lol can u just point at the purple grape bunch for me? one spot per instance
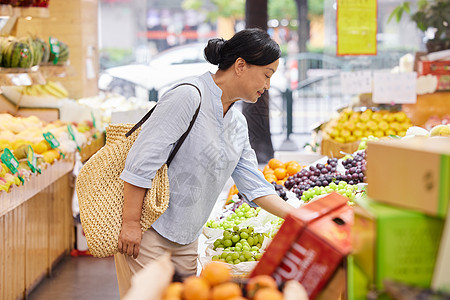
(355, 168)
(280, 190)
(315, 175)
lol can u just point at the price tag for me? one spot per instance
(358, 82)
(10, 161)
(50, 138)
(72, 135)
(394, 88)
(54, 48)
(31, 159)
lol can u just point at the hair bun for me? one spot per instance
(213, 51)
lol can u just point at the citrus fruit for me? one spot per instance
(280, 173)
(268, 294)
(216, 273)
(195, 288)
(275, 163)
(260, 282)
(226, 291)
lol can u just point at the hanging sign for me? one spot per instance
(356, 27)
(394, 88)
(357, 82)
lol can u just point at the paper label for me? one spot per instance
(358, 82)
(356, 27)
(50, 138)
(10, 160)
(394, 88)
(31, 159)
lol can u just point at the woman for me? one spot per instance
(216, 148)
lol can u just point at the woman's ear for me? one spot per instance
(239, 66)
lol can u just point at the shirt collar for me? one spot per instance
(212, 85)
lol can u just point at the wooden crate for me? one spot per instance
(332, 148)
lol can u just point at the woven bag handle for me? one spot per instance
(183, 137)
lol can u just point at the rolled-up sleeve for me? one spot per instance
(160, 132)
(248, 179)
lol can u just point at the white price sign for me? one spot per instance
(394, 88)
(357, 82)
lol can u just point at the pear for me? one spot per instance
(440, 130)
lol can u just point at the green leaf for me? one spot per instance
(399, 14)
(406, 7)
(393, 13)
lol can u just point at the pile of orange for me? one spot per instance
(214, 283)
(277, 171)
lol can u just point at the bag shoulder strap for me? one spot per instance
(183, 137)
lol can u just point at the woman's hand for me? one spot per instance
(130, 239)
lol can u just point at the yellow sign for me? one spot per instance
(356, 27)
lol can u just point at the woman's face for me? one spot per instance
(255, 80)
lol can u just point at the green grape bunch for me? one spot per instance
(239, 245)
(241, 214)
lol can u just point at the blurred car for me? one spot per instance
(165, 69)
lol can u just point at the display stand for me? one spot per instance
(20, 77)
(36, 228)
(36, 225)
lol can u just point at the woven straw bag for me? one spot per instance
(100, 190)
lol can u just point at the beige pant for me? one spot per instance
(153, 245)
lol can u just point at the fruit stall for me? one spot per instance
(369, 214)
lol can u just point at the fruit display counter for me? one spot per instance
(36, 222)
(327, 193)
(36, 228)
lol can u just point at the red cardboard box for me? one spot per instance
(310, 244)
(433, 67)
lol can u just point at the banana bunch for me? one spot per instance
(49, 89)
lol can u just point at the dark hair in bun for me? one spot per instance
(254, 45)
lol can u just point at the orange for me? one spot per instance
(173, 291)
(195, 288)
(226, 291)
(271, 178)
(260, 282)
(238, 298)
(268, 171)
(266, 168)
(268, 294)
(280, 173)
(216, 273)
(293, 169)
(275, 163)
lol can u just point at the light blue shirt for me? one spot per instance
(216, 148)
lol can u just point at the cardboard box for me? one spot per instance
(393, 243)
(441, 276)
(433, 67)
(412, 173)
(310, 244)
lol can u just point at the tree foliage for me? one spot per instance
(277, 9)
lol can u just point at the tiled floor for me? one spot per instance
(82, 277)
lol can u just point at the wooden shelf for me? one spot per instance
(14, 13)
(51, 70)
(18, 77)
(35, 184)
(23, 12)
